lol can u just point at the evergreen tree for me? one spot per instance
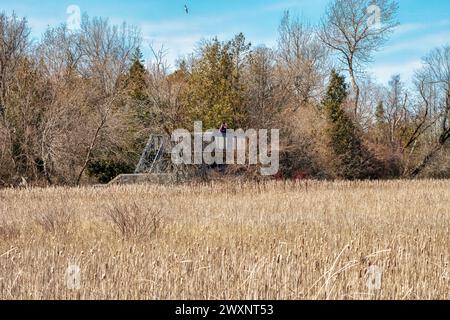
(379, 113)
(137, 118)
(353, 159)
(136, 82)
(380, 124)
(212, 94)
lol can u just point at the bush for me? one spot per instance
(106, 170)
(352, 159)
(133, 221)
(54, 221)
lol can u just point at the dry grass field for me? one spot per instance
(228, 241)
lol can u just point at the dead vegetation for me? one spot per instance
(132, 221)
(271, 240)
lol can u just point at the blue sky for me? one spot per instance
(424, 24)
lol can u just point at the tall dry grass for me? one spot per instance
(228, 241)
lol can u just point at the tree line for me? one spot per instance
(77, 107)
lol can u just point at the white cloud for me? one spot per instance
(384, 71)
(180, 37)
(316, 6)
(174, 46)
(414, 27)
(419, 44)
(39, 26)
(408, 28)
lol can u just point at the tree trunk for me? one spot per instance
(356, 90)
(418, 170)
(89, 152)
(445, 136)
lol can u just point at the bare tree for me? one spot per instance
(106, 50)
(104, 113)
(14, 34)
(396, 111)
(302, 60)
(261, 88)
(350, 28)
(165, 92)
(87, 118)
(433, 83)
(26, 102)
(372, 93)
(60, 52)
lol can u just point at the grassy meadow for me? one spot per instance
(274, 240)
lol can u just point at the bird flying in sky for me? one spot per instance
(186, 9)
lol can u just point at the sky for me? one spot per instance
(423, 24)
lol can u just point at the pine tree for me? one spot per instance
(380, 124)
(136, 82)
(353, 159)
(213, 95)
(379, 113)
(135, 87)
